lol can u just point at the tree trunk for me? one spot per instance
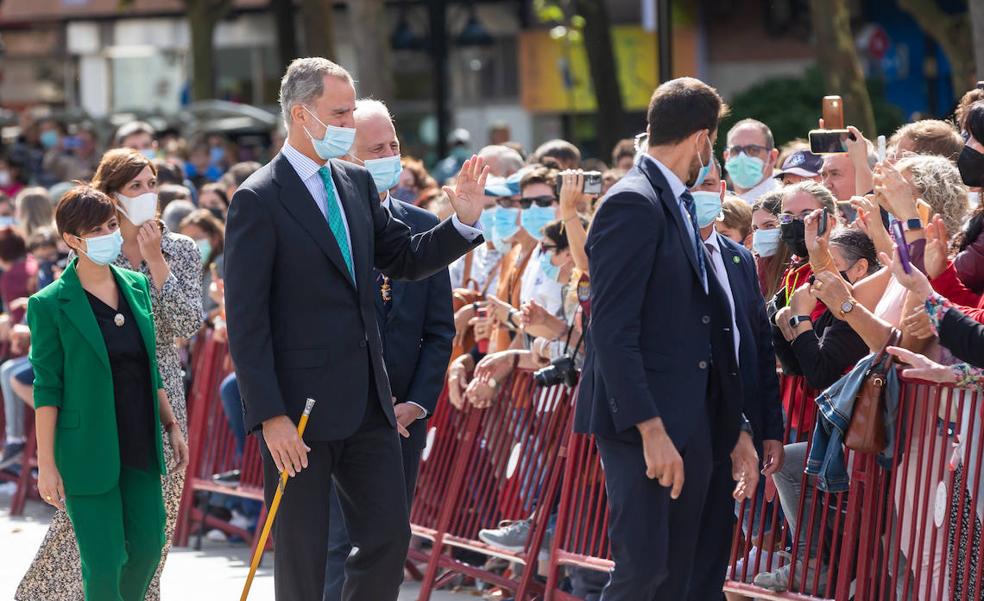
(952, 33)
(319, 29)
(283, 16)
(839, 62)
(371, 31)
(604, 73)
(203, 16)
(977, 33)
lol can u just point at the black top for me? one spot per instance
(822, 354)
(131, 382)
(963, 336)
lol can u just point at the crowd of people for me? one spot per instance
(800, 244)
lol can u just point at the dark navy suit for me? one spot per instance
(416, 331)
(658, 345)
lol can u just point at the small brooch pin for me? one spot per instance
(386, 290)
(736, 259)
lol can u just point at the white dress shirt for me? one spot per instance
(713, 246)
(678, 188)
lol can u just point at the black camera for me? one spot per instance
(592, 183)
(560, 371)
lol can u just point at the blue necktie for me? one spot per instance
(334, 214)
(688, 203)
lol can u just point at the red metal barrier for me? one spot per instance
(212, 448)
(485, 466)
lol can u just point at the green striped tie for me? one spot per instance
(335, 220)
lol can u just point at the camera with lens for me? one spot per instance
(560, 371)
(593, 183)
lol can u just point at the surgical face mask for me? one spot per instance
(707, 205)
(385, 172)
(794, 235)
(535, 218)
(216, 154)
(7, 221)
(149, 153)
(765, 243)
(974, 198)
(49, 139)
(204, 248)
(504, 227)
(971, 166)
(139, 209)
(487, 219)
(4, 178)
(461, 153)
(551, 271)
(704, 170)
(103, 250)
(745, 171)
(336, 142)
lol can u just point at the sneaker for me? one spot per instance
(216, 536)
(778, 580)
(12, 454)
(753, 562)
(509, 536)
(230, 478)
(241, 521)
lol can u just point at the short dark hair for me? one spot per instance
(240, 172)
(538, 175)
(217, 189)
(12, 245)
(855, 245)
(562, 150)
(168, 172)
(557, 233)
(624, 148)
(681, 107)
(974, 120)
(83, 208)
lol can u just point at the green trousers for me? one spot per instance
(120, 535)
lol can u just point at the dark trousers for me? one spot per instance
(339, 545)
(367, 470)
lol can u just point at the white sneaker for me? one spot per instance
(216, 536)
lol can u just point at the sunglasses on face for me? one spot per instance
(752, 150)
(548, 248)
(787, 218)
(540, 201)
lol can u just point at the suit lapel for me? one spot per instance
(355, 210)
(299, 203)
(665, 194)
(141, 312)
(76, 306)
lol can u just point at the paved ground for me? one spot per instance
(216, 572)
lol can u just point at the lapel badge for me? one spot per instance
(386, 291)
(736, 259)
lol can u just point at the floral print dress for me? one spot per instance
(56, 573)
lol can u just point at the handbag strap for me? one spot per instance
(882, 359)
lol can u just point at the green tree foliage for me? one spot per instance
(790, 106)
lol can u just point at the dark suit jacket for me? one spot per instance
(654, 331)
(418, 329)
(756, 357)
(299, 327)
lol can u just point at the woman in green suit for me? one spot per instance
(100, 404)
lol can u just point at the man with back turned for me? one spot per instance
(660, 389)
(304, 234)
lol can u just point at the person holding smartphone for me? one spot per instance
(101, 405)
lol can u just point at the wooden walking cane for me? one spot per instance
(258, 555)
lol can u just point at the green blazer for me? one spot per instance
(72, 373)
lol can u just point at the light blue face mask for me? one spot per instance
(336, 142)
(7, 221)
(535, 218)
(707, 205)
(551, 271)
(745, 171)
(149, 153)
(487, 219)
(704, 169)
(385, 172)
(504, 227)
(103, 250)
(765, 243)
(204, 248)
(49, 139)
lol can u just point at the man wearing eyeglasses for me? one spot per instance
(750, 158)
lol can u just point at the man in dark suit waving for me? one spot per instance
(660, 388)
(415, 320)
(303, 236)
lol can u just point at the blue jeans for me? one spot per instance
(232, 405)
(13, 405)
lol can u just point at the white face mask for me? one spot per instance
(139, 209)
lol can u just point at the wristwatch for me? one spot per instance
(795, 320)
(848, 306)
(910, 225)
